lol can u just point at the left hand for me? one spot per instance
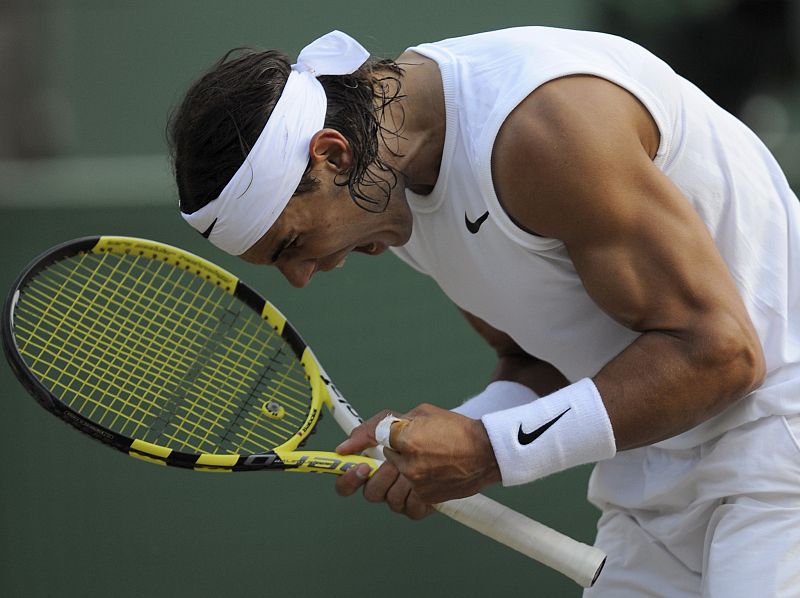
(443, 455)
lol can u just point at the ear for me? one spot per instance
(328, 148)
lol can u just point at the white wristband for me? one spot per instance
(567, 428)
(499, 395)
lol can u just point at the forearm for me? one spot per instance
(663, 385)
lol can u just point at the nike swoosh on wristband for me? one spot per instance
(527, 437)
(474, 227)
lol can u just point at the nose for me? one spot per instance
(297, 273)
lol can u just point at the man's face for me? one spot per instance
(318, 230)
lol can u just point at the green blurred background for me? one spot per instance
(84, 97)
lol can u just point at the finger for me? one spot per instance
(349, 482)
(395, 458)
(377, 487)
(388, 430)
(416, 508)
(395, 430)
(397, 495)
(362, 436)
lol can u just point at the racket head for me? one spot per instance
(105, 332)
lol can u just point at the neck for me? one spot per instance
(419, 118)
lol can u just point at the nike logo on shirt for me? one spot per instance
(527, 437)
(207, 232)
(474, 227)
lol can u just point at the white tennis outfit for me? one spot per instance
(714, 511)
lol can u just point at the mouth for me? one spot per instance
(374, 248)
(333, 265)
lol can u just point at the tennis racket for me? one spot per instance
(167, 357)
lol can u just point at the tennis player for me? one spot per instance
(630, 250)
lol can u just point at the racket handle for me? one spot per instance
(576, 560)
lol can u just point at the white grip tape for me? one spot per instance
(580, 562)
(383, 430)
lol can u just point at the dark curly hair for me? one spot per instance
(212, 130)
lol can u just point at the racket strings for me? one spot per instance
(99, 316)
(151, 351)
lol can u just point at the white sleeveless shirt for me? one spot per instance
(526, 285)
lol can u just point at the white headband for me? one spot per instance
(257, 194)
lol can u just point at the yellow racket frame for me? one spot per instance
(287, 456)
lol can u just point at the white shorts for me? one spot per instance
(720, 520)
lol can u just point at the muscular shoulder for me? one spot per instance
(567, 140)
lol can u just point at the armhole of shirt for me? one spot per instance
(510, 228)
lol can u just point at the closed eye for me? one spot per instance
(285, 244)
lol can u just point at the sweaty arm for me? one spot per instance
(574, 162)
